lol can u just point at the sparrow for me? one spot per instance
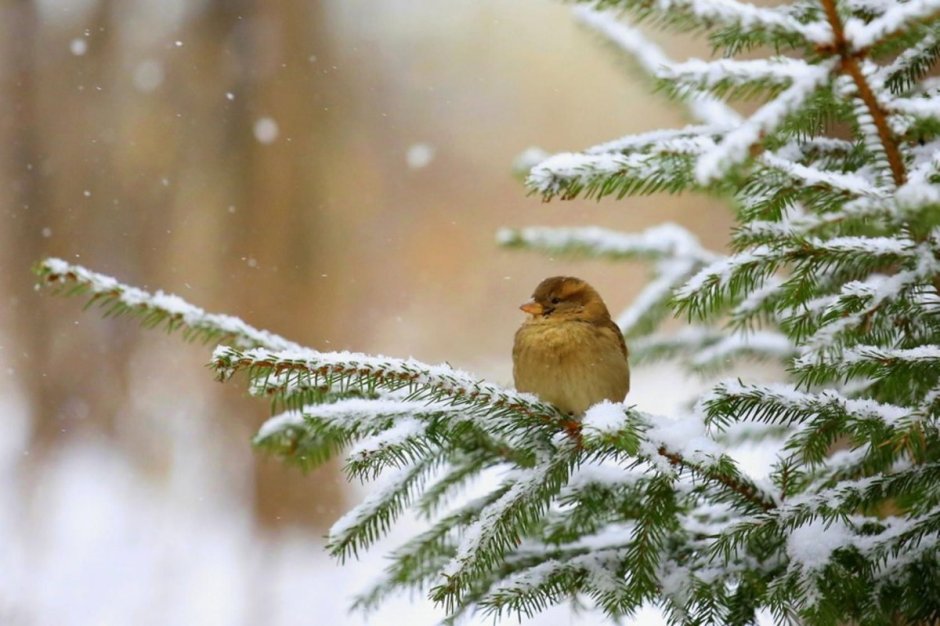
(568, 351)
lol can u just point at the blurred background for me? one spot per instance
(333, 171)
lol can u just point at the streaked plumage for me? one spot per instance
(568, 351)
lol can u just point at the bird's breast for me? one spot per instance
(573, 365)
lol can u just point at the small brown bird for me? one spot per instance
(569, 352)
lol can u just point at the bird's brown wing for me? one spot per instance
(610, 325)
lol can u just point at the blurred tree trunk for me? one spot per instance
(253, 65)
(163, 187)
(45, 172)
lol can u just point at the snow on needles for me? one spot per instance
(604, 418)
(734, 148)
(812, 544)
(663, 240)
(652, 60)
(243, 335)
(862, 35)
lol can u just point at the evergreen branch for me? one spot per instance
(902, 376)
(365, 523)
(853, 185)
(154, 310)
(849, 65)
(652, 304)
(730, 401)
(728, 13)
(913, 63)
(667, 445)
(709, 350)
(737, 144)
(292, 394)
(420, 560)
(537, 587)
(403, 443)
(858, 36)
(691, 139)
(731, 77)
(500, 524)
(758, 345)
(462, 466)
(502, 410)
(828, 506)
(843, 258)
(652, 60)
(665, 241)
(921, 189)
(569, 175)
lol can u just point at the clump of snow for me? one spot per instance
(280, 423)
(266, 130)
(529, 158)
(78, 46)
(684, 435)
(419, 155)
(604, 418)
(812, 544)
(148, 75)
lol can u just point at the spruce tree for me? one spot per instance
(833, 274)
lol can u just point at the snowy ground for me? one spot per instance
(96, 542)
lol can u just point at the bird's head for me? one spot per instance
(566, 298)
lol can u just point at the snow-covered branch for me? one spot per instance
(652, 60)
(155, 309)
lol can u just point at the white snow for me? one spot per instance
(78, 46)
(685, 435)
(812, 544)
(811, 176)
(721, 271)
(380, 492)
(667, 239)
(419, 155)
(266, 130)
(735, 145)
(862, 35)
(858, 354)
(708, 74)
(651, 59)
(918, 191)
(691, 140)
(280, 423)
(174, 305)
(148, 75)
(604, 418)
(401, 431)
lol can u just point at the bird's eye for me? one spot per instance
(556, 300)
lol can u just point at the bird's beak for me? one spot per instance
(532, 308)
